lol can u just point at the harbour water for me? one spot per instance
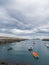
(20, 54)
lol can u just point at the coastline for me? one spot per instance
(45, 39)
(4, 39)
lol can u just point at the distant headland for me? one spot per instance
(45, 39)
(4, 39)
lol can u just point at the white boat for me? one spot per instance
(30, 49)
(47, 45)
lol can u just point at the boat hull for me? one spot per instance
(35, 55)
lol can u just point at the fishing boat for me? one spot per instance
(35, 54)
(30, 49)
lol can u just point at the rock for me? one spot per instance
(17, 64)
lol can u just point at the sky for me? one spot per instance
(24, 18)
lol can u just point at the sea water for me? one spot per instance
(20, 53)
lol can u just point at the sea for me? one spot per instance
(20, 53)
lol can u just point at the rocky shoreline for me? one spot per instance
(45, 39)
(10, 39)
(5, 63)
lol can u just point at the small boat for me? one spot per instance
(33, 42)
(10, 48)
(47, 45)
(30, 49)
(35, 54)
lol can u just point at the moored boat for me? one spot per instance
(10, 48)
(33, 42)
(30, 49)
(35, 54)
(47, 45)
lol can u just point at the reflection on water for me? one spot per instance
(20, 53)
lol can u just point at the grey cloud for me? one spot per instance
(24, 15)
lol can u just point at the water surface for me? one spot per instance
(20, 53)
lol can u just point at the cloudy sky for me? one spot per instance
(24, 18)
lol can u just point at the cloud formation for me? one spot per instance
(24, 17)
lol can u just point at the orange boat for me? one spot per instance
(35, 54)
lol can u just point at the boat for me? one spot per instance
(30, 49)
(33, 42)
(10, 48)
(35, 54)
(47, 45)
